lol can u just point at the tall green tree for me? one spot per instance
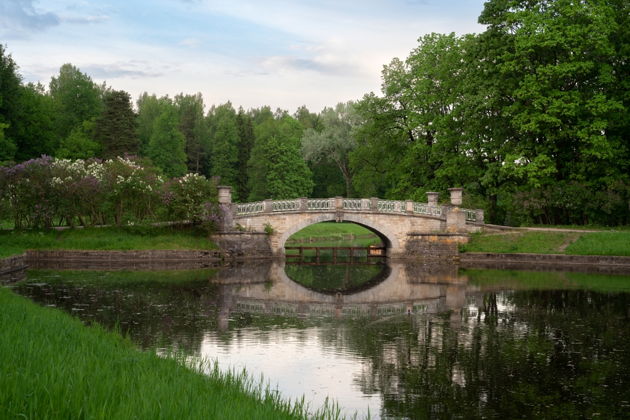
(335, 141)
(276, 167)
(224, 140)
(115, 129)
(10, 81)
(559, 63)
(246, 140)
(150, 107)
(192, 125)
(76, 99)
(34, 130)
(167, 145)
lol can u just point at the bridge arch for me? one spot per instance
(389, 239)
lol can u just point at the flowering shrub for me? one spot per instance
(189, 198)
(44, 192)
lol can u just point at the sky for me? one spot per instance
(279, 53)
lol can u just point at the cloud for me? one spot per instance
(18, 18)
(190, 42)
(120, 70)
(316, 64)
(90, 19)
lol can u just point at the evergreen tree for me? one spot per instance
(115, 128)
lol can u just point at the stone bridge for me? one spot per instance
(406, 228)
(408, 288)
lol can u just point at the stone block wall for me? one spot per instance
(434, 245)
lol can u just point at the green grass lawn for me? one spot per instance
(601, 243)
(334, 234)
(109, 238)
(55, 367)
(571, 243)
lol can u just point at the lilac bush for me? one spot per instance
(44, 192)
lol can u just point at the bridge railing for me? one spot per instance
(352, 204)
(320, 204)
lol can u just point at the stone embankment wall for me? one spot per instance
(591, 263)
(434, 245)
(11, 264)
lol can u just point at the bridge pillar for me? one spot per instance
(432, 198)
(456, 196)
(226, 222)
(225, 194)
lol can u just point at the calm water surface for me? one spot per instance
(397, 341)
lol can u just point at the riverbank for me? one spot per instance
(127, 238)
(552, 241)
(55, 367)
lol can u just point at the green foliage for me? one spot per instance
(276, 167)
(167, 145)
(76, 98)
(150, 107)
(224, 141)
(194, 129)
(115, 129)
(79, 144)
(334, 142)
(185, 198)
(7, 146)
(269, 230)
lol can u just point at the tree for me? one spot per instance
(559, 65)
(193, 127)
(246, 140)
(10, 82)
(224, 141)
(276, 167)
(115, 128)
(150, 107)
(76, 99)
(334, 142)
(79, 144)
(167, 145)
(33, 131)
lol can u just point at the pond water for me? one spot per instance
(392, 340)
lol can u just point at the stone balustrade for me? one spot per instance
(373, 205)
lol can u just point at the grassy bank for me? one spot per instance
(109, 238)
(570, 243)
(334, 234)
(55, 367)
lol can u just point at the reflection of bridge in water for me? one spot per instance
(409, 288)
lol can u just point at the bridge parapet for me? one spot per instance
(347, 204)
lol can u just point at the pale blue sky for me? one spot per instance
(274, 52)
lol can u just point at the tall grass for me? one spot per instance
(109, 238)
(55, 367)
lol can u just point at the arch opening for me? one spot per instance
(388, 240)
